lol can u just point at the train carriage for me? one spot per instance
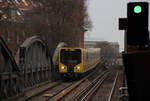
(76, 61)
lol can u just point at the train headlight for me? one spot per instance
(78, 67)
(62, 67)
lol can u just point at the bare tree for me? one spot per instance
(55, 21)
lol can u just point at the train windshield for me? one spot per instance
(70, 56)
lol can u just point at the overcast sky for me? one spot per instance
(104, 15)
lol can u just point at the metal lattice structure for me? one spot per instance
(9, 73)
(55, 56)
(34, 61)
(34, 67)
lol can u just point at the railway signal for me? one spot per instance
(137, 26)
(137, 54)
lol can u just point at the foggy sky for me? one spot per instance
(104, 15)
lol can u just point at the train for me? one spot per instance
(74, 62)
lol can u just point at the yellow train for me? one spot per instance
(77, 61)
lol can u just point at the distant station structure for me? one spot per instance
(115, 46)
(109, 50)
(103, 44)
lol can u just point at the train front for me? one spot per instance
(70, 62)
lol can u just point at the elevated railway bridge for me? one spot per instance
(32, 75)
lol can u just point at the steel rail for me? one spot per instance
(41, 91)
(101, 79)
(82, 93)
(112, 90)
(68, 89)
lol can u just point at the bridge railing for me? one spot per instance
(33, 76)
(35, 69)
(10, 84)
(14, 83)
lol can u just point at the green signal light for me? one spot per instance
(137, 9)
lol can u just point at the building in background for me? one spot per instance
(51, 19)
(115, 47)
(91, 44)
(109, 49)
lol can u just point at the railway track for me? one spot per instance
(103, 90)
(90, 91)
(37, 91)
(113, 87)
(90, 88)
(52, 92)
(72, 89)
(59, 90)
